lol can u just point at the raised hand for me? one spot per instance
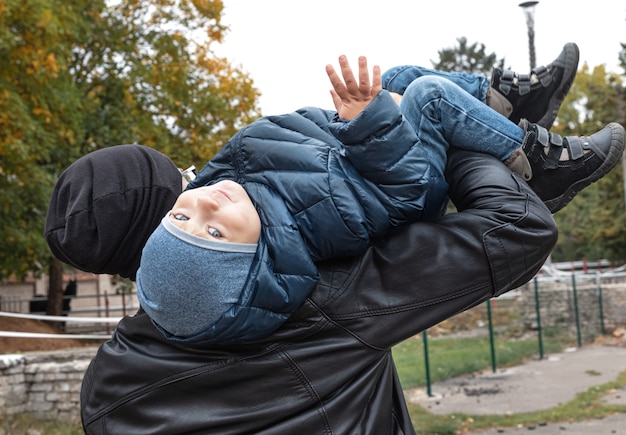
(350, 96)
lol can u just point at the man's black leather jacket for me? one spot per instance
(329, 369)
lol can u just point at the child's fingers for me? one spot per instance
(335, 80)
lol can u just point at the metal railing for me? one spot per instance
(82, 311)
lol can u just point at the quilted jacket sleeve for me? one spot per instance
(382, 144)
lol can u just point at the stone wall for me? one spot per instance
(587, 302)
(44, 384)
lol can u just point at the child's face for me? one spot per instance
(222, 212)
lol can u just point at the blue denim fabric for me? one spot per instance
(445, 113)
(397, 79)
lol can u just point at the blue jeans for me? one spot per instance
(398, 78)
(448, 109)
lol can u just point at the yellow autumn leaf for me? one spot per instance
(51, 63)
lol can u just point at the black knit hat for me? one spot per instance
(105, 206)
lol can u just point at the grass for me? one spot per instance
(451, 357)
(27, 425)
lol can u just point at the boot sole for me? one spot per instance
(572, 55)
(613, 157)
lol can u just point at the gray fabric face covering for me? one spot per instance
(185, 283)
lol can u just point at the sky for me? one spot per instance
(284, 45)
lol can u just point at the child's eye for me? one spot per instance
(215, 233)
(180, 217)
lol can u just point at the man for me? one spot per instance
(329, 368)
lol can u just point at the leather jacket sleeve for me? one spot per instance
(424, 273)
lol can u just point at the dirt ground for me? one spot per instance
(19, 345)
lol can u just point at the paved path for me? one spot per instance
(613, 425)
(534, 386)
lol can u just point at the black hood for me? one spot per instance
(105, 206)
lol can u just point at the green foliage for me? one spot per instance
(38, 122)
(593, 226)
(467, 58)
(87, 74)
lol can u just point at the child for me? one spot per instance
(98, 194)
(314, 185)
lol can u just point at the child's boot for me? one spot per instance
(537, 96)
(563, 166)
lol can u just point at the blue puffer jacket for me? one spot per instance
(323, 188)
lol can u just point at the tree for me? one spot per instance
(158, 69)
(593, 225)
(38, 122)
(467, 58)
(82, 75)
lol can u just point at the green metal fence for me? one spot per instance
(578, 307)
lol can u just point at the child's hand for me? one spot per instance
(351, 98)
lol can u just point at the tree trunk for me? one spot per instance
(55, 290)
